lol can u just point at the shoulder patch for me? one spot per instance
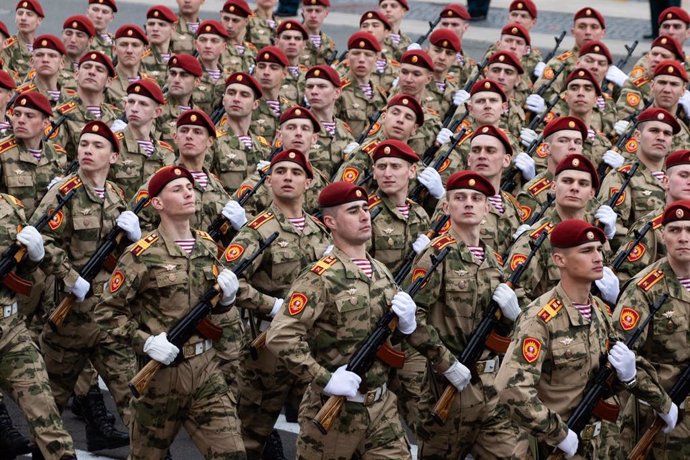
(565, 55)
(74, 182)
(637, 252)
(374, 200)
(233, 252)
(637, 71)
(350, 175)
(7, 144)
(629, 318)
(443, 241)
(143, 244)
(650, 280)
(119, 135)
(260, 220)
(632, 145)
(263, 141)
(517, 259)
(632, 99)
(324, 264)
(297, 303)
(525, 212)
(625, 168)
(613, 191)
(531, 348)
(58, 148)
(539, 186)
(548, 73)
(545, 227)
(66, 107)
(550, 310)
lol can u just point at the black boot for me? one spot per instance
(100, 432)
(12, 442)
(290, 413)
(273, 449)
(77, 408)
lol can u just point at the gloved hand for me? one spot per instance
(276, 307)
(527, 136)
(405, 308)
(535, 103)
(607, 216)
(262, 165)
(506, 299)
(539, 69)
(33, 241)
(520, 230)
(458, 375)
(129, 222)
(160, 349)
(526, 165)
(684, 102)
(414, 46)
(569, 444)
(328, 250)
(671, 419)
(343, 383)
(351, 147)
(608, 286)
(235, 214)
(80, 289)
(54, 181)
(443, 136)
(228, 283)
(395, 82)
(616, 75)
(420, 243)
(623, 360)
(118, 125)
(621, 126)
(613, 159)
(460, 97)
(431, 179)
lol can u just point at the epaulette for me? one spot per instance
(550, 310)
(119, 135)
(539, 186)
(641, 80)
(345, 82)
(143, 244)
(369, 148)
(66, 107)
(302, 67)
(394, 62)
(625, 168)
(443, 241)
(260, 220)
(650, 280)
(9, 42)
(565, 55)
(263, 141)
(204, 235)
(26, 87)
(166, 146)
(656, 222)
(59, 149)
(450, 78)
(347, 127)
(430, 111)
(220, 132)
(16, 202)
(324, 264)
(374, 200)
(223, 120)
(251, 46)
(72, 183)
(70, 91)
(116, 189)
(7, 144)
(499, 258)
(146, 53)
(545, 227)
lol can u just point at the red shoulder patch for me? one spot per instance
(297, 303)
(350, 175)
(531, 348)
(516, 260)
(629, 318)
(233, 252)
(116, 281)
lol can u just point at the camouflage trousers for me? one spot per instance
(23, 375)
(408, 384)
(604, 445)
(228, 348)
(360, 431)
(192, 394)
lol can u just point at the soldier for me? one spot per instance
(265, 383)
(47, 61)
(140, 153)
(101, 13)
(187, 25)
(16, 51)
(21, 365)
(140, 311)
(320, 46)
(271, 71)
(7, 87)
(71, 238)
(394, 11)
(505, 69)
(77, 36)
(262, 23)
(183, 76)
(160, 27)
(342, 297)
(443, 47)
(291, 38)
(387, 68)
(239, 54)
(130, 44)
(456, 18)
(210, 42)
(524, 12)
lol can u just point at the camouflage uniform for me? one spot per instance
(166, 123)
(534, 194)
(395, 51)
(354, 108)
(329, 311)
(529, 61)
(326, 153)
(153, 286)
(22, 370)
(647, 251)
(292, 88)
(359, 162)
(260, 32)
(234, 60)
(567, 58)
(314, 56)
(265, 121)
(16, 56)
(183, 38)
(210, 92)
(380, 77)
(104, 45)
(450, 307)
(154, 65)
(116, 91)
(462, 68)
(440, 101)
(265, 383)
(33, 84)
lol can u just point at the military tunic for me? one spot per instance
(647, 251)
(326, 153)
(534, 194)
(390, 48)
(103, 44)
(183, 38)
(567, 58)
(16, 56)
(355, 108)
(260, 31)
(314, 56)
(209, 92)
(265, 121)
(155, 66)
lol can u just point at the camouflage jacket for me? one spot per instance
(33, 84)
(534, 193)
(647, 251)
(265, 121)
(183, 38)
(155, 66)
(104, 45)
(234, 60)
(260, 32)
(396, 51)
(313, 56)
(12, 218)
(210, 92)
(355, 109)
(567, 58)
(326, 153)
(16, 56)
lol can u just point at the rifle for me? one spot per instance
(406, 266)
(621, 62)
(92, 267)
(54, 126)
(432, 26)
(217, 113)
(372, 121)
(430, 152)
(448, 116)
(639, 235)
(553, 51)
(550, 83)
(551, 197)
(539, 118)
(185, 327)
(340, 57)
(364, 357)
(509, 181)
(628, 176)
(331, 59)
(603, 167)
(14, 253)
(592, 403)
(484, 336)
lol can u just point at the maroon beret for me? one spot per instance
(674, 12)
(372, 14)
(325, 3)
(324, 72)
(679, 157)
(101, 129)
(161, 12)
(196, 117)
(363, 41)
(246, 80)
(506, 57)
(524, 5)
(659, 114)
(445, 38)
(4, 30)
(295, 112)
(419, 58)
(678, 210)
(341, 192)
(470, 180)
(590, 13)
(291, 24)
(583, 74)
(455, 11)
(579, 163)
(97, 56)
(395, 149)
(34, 100)
(237, 7)
(671, 68)
(490, 130)
(490, 86)
(517, 30)
(575, 232)
(294, 156)
(596, 47)
(211, 26)
(164, 176)
(272, 54)
(110, 3)
(80, 23)
(409, 102)
(32, 5)
(402, 2)
(186, 62)
(132, 31)
(50, 42)
(147, 87)
(6, 80)
(669, 44)
(566, 124)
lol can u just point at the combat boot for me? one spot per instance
(76, 406)
(100, 432)
(273, 449)
(12, 442)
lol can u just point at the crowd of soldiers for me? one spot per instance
(227, 218)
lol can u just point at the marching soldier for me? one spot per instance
(387, 68)
(524, 12)
(291, 38)
(7, 87)
(262, 24)
(456, 18)
(210, 42)
(239, 54)
(101, 13)
(129, 47)
(77, 37)
(319, 46)
(160, 27)
(47, 62)
(505, 69)
(183, 76)
(16, 51)
(271, 71)
(397, 41)
(443, 47)
(187, 25)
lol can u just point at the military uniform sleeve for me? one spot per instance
(355, 167)
(610, 185)
(529, 281)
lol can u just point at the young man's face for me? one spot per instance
(413, 79)
(563, 143)
(466, 207)
(573, 189)
(442, 58)
(26, 21)
(584, 263)
(129, 51)
(288, 181)
(101, 16)
(505, 75)
(180, 83)
(486, 107)
(239, 101)
(597, 64)
(521, 17)
(655, 140)
(392, 11)
(291, 42)
(487, 156)
(192, 140)
(400, 123)
(141, 110)
(234, 25)
(351, 222)
(517, 45)
(321, 93)
(92, 76)
(270, 74)
(28, 123)
(297, 133)
(393, 175)
(580, 96)
(176, 200)
(361, 62)
(210, 46)
(314, 16)
(158, 31)
(457, 25)
(376, 28)
(47, 62)
(189, 7)
(667, 90)
(675, 28)
(587, 29)
(95, 153)
(76, 42)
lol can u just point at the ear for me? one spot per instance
(558, 259)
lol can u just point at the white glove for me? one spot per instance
(607, 216)
(535, 103)
(395, 83)
(414, 46)
(160, 349)
(405, 308)
(33, 241)
(621, 126)
(671, 419)
(276, 307)
(616, 75)
(229, 284)
(54, 181)
(351, 147)
(608, 286)
(539, 69)
(328, 250)
(526, 165)
(421, 243)
(684, 101)
(569, 444)
(506, 299)
(235, 214)
(458, 375)
(443, 136)
(262, 165)
(613, 159)
(129, 222)
(431, 179)
(80, 289)
(527, 136)
(343, 383)
(520, 230)
(118, 125)
(460, 97)
(623, 360)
